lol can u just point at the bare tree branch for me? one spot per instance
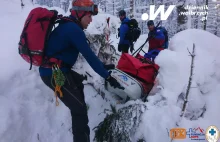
(188, 86)
(190, 81)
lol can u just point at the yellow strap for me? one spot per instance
(58, 89)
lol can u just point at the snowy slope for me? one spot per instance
(165, 107)
(27, 107)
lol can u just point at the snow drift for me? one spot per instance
(27, 106)
(165, 107)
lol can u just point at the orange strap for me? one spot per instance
(58, 89)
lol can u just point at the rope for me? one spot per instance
(59, 79)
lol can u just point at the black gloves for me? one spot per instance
(151, 35)
(113, 82)
(119, 48)
(109, 66)
(132, 48)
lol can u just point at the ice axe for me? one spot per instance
(107, 20)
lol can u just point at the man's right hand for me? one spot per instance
(109, 66)
(151, 35)
(119, 48)
(132, 48)
(113, 82)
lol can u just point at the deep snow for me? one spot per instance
(27, 107)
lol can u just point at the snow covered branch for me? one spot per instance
(120, 125)
(98, 90)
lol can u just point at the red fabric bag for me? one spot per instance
(144, 72)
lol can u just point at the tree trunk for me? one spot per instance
(105, 5)
(205, 21)
(113, 7)
(217, 20)
(196, 21)
(132, 8)
(152, 2)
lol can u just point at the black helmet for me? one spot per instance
(150, 22)
(121, 13)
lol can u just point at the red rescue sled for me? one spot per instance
(136, 74)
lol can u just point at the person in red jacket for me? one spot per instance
(156, 37)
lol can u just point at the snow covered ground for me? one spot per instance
(27, 107)
(164, 107)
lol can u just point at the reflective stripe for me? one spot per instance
(67, 79)
(73, 96)
(87, 137)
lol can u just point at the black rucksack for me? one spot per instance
(134, 31)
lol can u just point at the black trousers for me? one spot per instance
(73, 98)
(123, 48)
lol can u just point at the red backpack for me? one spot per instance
(35, 34)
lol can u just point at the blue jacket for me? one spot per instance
(70, 38)
(123, 30)
(164, 31)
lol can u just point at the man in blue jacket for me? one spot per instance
(158, 36)
(64, 45)
(124, 44)
(158, 40)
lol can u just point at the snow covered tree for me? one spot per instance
(121, 124)
(131, 8)
(213, 18)
(181, 19)
(56, 3)
(217, 32)
(103, 5)
(140, 8)
(64, 5)
(195, 18)
(113, 6)
(176, 22)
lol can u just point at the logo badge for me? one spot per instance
(196, 133)
(123, 77)
(212, 134)
(178, 133)
(161, 10)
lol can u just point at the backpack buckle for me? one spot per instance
(50, 62)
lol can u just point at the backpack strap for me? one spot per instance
(127, 23)
(165, 33)
(63, 20)
(50, 61)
